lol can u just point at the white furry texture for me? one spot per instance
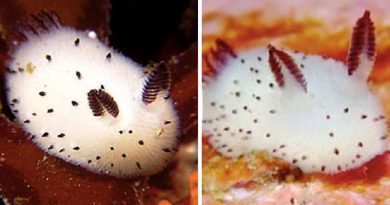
(337, 125)
(101, 144)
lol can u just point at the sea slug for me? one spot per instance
(316, 113)
(85, 103)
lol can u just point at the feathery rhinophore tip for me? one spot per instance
(100, 100)
(276, 55)
(219, 55)
(157, 81)
(362, 46)
(39, 24)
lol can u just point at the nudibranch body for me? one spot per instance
(89, 105)
(316, 113)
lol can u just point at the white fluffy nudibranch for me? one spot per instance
(316, 113)
(89, 105)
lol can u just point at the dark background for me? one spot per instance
(152, 30)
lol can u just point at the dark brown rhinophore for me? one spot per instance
(99, 100)
(157, 81)
(363, 41)
(290, 64)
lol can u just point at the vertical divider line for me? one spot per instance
(200, 101)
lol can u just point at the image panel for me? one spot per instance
(296, 102)
(98, 102)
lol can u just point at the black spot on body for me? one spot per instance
(138, 165)
(120, 132)
(76, 148)
(74, 103)
(111, 148)
(50, 110)
(124, 155)
(27, 121)
(130, 131)
(50, 147)
(61, 150)
(61, 135)
(77, 42)
(108, 56)
(78, 74)
(48, 57)
(336, 151)
(358, 156)
(98, 157)
(140, 142)
(167, 122)
(42, 93)
(166, 150)
(45, 134)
